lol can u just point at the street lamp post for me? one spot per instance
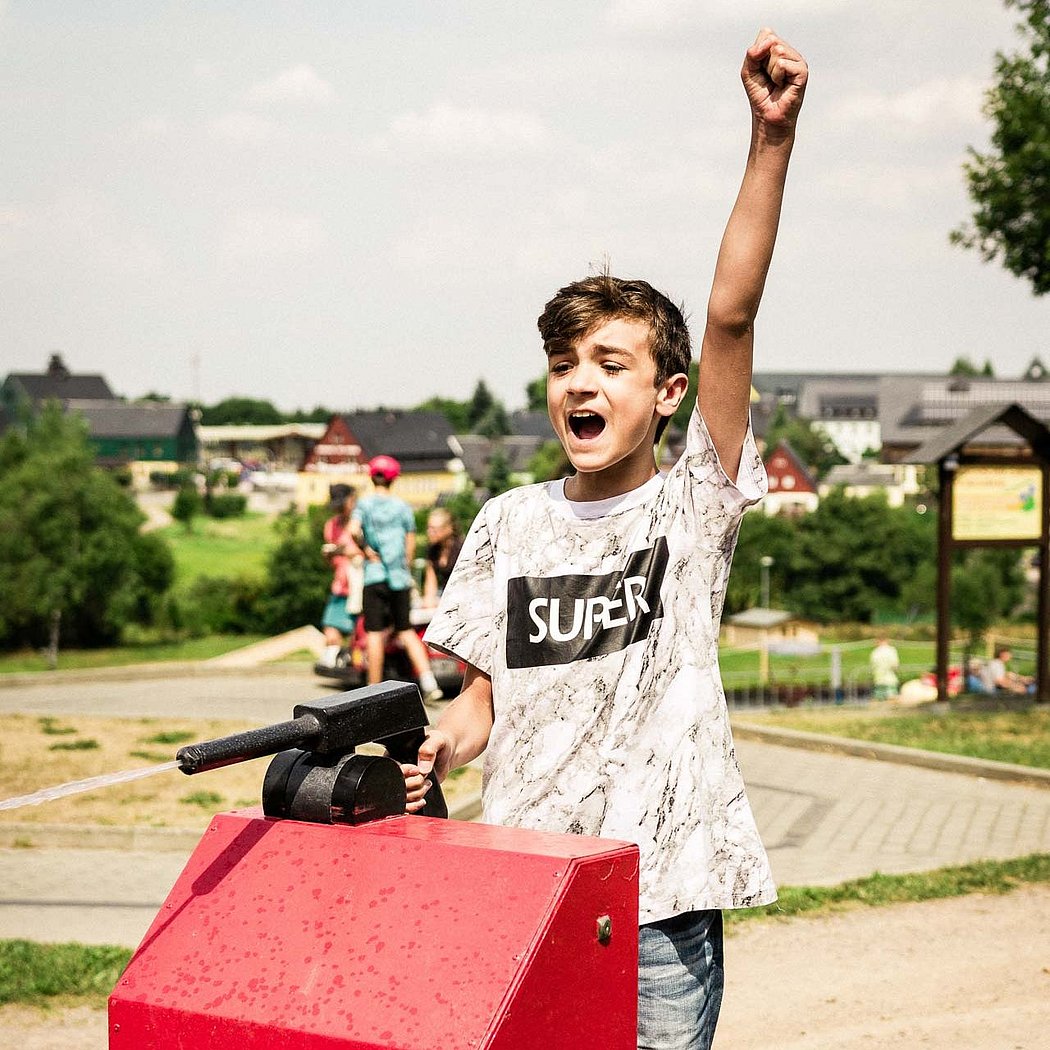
(765, 562)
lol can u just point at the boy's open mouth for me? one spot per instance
(586, 425)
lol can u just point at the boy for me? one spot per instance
(587, 610)
(385, 527)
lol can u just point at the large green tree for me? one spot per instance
(850, 560)
(1010, 184)
(73, 562)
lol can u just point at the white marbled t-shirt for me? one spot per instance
(598, 624)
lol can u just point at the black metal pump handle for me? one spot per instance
(254, 743)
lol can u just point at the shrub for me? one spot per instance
(227, 505)
(219, 605)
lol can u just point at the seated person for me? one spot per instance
(998, 678)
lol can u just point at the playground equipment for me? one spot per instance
(330, 919)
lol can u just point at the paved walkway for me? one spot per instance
(824, 817)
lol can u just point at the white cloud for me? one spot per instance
(264, 236)
(12, 216)
(446, 128)
(242, 129)
(298, 84)
(955, 100)
(887, 187)
(658, 16)
(84, 230)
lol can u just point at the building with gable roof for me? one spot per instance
(792, 488)
(421, 441)
(143, 436)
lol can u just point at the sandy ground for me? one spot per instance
(965, 974)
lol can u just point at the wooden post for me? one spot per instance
(1042, 643)
(944, 577)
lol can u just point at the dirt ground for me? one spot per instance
(39, 752)
(971, 973)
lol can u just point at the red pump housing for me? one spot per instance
(408, 933)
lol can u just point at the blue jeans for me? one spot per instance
(680, 980)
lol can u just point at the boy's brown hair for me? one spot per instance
(583, 305)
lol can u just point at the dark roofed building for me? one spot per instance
(57, 384)
(422, 442)
(478, 451)
(419, 441)
(148, 431)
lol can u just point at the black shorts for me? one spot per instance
(385, 608)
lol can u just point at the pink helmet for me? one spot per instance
(384, 467)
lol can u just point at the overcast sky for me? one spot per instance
(364, 202)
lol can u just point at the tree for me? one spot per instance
(498, 478)
(456, 412)
(494, 424)
(965, 367)
(481, 403)
(187, 505)
(242, 410)
(850, 560)
(1010, 184)
(812, 445)
(73, 563)
(549, 462)
(297, 576)
(536, 394)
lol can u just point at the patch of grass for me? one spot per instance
(84, 744)
(739, 667)
(137, 652)
(180, 736)
(1019, 736)
(51, 727)
(38, 973)
(151, 756)
(991, 876)
(232, 546)
(204, 799)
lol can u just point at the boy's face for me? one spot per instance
(604, 403)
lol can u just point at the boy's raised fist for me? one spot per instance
(774, 76)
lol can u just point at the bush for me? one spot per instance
(188, 504)
(219, 605)
(170, 479)
(298, 577)
(227, 505)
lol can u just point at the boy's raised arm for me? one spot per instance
(774, 76)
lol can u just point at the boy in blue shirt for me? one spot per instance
(386, 529)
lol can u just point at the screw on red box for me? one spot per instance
(397, 932)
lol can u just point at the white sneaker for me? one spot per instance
(432, 696)
(328, 656)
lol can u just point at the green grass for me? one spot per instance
(230, 547)
(204, 799)
(72, 973)
(1019, 736)
(136, 653)
(740, 666)
(69, 974)
(874, 891)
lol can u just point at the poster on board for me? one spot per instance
(997, 503)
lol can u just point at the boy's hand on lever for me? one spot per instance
(774, 76)
(435, 755)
